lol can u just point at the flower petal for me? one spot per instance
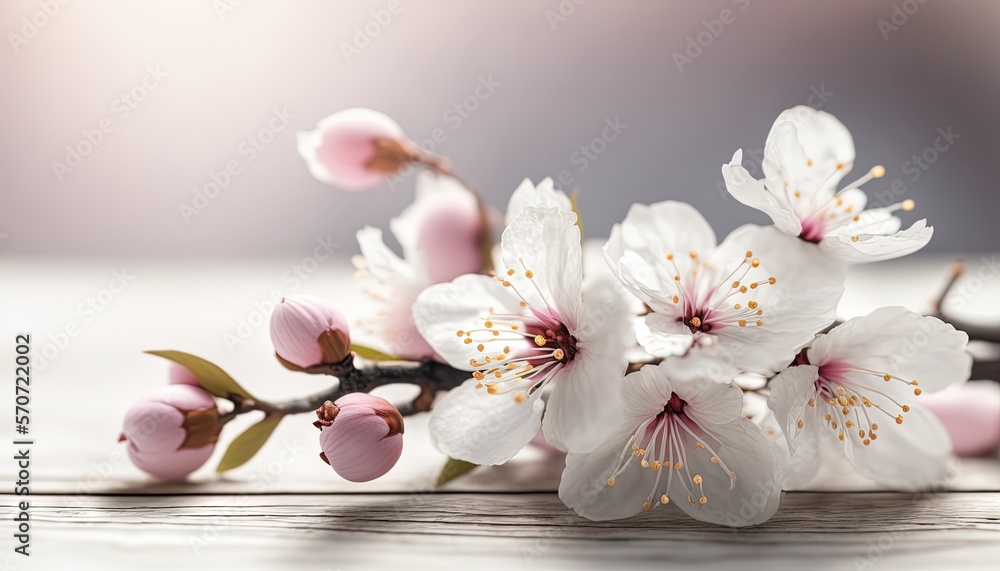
(584, 484)
(527, 194)
(801, 303)
(443, 309)
(546, 242)
(753, 193)
(808, 149)
(472, 425)
(910, 456)
(750, 500)
(899, 342)
(584, 398)
(790, 393)
(876, 247)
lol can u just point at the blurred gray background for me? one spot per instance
(895, 72)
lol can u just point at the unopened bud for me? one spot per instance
(361, 436)
(306, 331)
(172, 431)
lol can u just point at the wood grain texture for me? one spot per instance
(445, 530)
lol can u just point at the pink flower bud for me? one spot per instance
(171, 431)
(355, 149)
(361, 436)
(307, 331)
(971, 413)
(180, 375)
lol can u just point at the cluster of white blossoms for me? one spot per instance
(547, 346)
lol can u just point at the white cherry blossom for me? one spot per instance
(858, 388)
(534, 340)
(806, 155)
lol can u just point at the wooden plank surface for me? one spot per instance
(449, 530)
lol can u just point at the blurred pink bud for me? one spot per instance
(971, 413)
(307, 331)
(355, 149)
(361, 436)
(180, 375)
(172, 431)
(449, 237)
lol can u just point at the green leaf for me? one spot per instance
(372, 354)
(249, 443)
(212, 378)
(573, 200)
(454, 468)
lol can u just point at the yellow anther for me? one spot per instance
(460, 333)
(772, 280)
(908, 205)
(480, 347)
(797, 193)
(812, 402)
(677, 278)
(742, 322)
(899, 419)
(846, 411)
(656, 465)
(873, 435)
(664, 499)
(529, 274)
(854, 238)
(510, 272)
(523, 304)
(492, 389)
(611, 481)
(670, 255)
(800, 424)
(644, 464)
(875, 426)
(840, 436)
(736, 284)
(743, 289)
(752, 304)
(760, 323)
(694, 255)
(916, 392)
(878, 171)
(479, 385)
(645, 505)
(715, 460)
(703, 500)
(558, 354)
(848, 424)
(737, 306)
(695, 322)
(887, 377)
(696, 479)
(749, 254)
(540, 340)
(677, 466)
(676, 299)
(467, 340)
(519, 398)
(755, 262)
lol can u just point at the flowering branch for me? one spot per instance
(430, 376)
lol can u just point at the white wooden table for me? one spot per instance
(91, 509)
